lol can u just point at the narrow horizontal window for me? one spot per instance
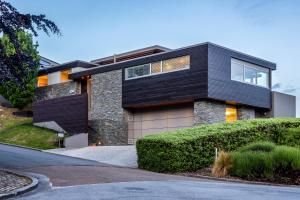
(249, 73)
(159, 67)
(175, 64)
(141, 70)
(155, 67)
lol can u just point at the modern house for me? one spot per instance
(120, 98)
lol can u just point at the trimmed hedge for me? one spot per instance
(194, 148)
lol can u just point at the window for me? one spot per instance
(159, 67)
(175, 64)
(237, 72)
(231, 114)
(155, 67)
(64, 75)
(42, 81)
(249, 73)
(263, 78)
(141, 70)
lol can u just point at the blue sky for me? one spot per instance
(92, 29)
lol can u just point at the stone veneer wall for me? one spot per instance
(245, 113)
(108, 120)
(57, 90)
(208, 112)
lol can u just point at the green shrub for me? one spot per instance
(258, 147)
(194, 148)
(281, 161)
(252, 164)
(290, 136)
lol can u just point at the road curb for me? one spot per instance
(30, 187)
(238, 181)
(46, 151)
(20, 146)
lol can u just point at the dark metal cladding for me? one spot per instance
(70, 112)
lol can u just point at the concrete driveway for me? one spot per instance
(124, 156)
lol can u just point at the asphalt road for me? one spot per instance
(74, 178)
(68, 171)
(174, 190)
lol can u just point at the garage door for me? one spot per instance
(158, 120)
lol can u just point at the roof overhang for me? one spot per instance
(65, 66)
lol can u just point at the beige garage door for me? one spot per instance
(158, 120)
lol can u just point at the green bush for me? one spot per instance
(280, 162)
(252, 164)
(289, 136)
(258, 147)
(194, 148)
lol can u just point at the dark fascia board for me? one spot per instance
(68, 65)
(165, 49)
(118, 65)
(49, 60)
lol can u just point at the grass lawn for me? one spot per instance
(20, 131)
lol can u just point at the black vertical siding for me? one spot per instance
(220, 85)
(71, 112)
(182, 85)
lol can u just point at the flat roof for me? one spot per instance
(128, 53)
(115, 66)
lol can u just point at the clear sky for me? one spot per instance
(97, 28)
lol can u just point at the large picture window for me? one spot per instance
(249, 73)
(159, 67)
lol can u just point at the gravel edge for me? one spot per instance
(33, 185)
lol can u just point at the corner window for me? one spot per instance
(159, 67)
(237, 72)
(263, 78)
(249, 73)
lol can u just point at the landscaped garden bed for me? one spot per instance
(191, 149)
(264, 150)
(10, 181)
(258, 162)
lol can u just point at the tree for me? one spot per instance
(22, 94)
(15, 63)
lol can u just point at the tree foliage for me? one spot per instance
(16, 64)
(21, 94)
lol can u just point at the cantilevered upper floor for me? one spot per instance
(202, 71)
